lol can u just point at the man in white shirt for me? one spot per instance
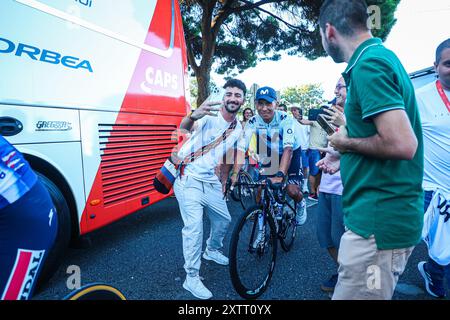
(434, 106)
(198, 187)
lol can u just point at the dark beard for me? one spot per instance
(230, 110)
(335, 53)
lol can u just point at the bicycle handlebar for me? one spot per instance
(263, 183)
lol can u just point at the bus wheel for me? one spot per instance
(63, 235)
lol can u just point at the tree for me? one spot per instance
(193, 88)
(230, 36)
(306, 96)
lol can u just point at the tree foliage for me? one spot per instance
(305, 96)
(230, 36)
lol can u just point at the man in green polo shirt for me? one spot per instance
(382, 156)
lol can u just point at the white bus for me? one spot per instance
(423, 77)
(91, 92)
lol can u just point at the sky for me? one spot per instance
(421, 26)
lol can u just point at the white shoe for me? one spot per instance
(195, 286)
(286, 209)
(216, 256)
(300, 218)
(305, 188)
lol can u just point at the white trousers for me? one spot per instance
(193, 196)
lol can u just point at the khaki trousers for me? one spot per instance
(366, 273)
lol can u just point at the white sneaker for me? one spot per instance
(216, 256)
(300, 218)
(195, 286)
(286, 209)
(305, 188)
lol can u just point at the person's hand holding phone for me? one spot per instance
(216, 97)
(327, 126)
(335, 116)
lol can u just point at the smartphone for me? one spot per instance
(216, 95)
(314, 113)
(328, 127)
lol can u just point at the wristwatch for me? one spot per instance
(190, 116)
(280, 174)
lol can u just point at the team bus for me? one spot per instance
(91, 92)
(423, 77)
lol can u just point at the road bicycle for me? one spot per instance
(254, 240)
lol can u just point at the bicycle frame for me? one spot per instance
(269, 198)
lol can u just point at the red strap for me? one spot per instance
(443, 95)
(205, 149)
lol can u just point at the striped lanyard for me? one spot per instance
(443, 95)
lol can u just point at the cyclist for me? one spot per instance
(28, 225)
(276, 142)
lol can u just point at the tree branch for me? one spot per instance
(251, 5)
(221, 16)
(270, 13)
(191, 56)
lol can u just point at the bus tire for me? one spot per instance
(63, 235)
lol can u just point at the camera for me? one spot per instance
(314, 113)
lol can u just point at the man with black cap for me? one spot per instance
(277, 148)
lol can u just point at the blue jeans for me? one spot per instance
(313, 158)
(437, 272)
(330, 220)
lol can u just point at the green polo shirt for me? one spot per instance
(383, 198)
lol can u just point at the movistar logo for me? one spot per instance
(43, 55)
(264, 91)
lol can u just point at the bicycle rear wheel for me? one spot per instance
(253, 252)
(246, 194)
(287, 228)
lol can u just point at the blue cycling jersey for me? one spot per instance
(276, 135)
(28, 225)
(16, 176)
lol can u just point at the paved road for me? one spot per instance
(142, 256)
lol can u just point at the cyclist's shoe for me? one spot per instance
(313, 197)
(287, 210)
(216, 256)
(259, 239)
(434, 288)
(305, 188)
(300, 218)
(330, 284)
(195, 286)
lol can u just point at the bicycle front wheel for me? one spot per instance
(287, 228)
(253, 252)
